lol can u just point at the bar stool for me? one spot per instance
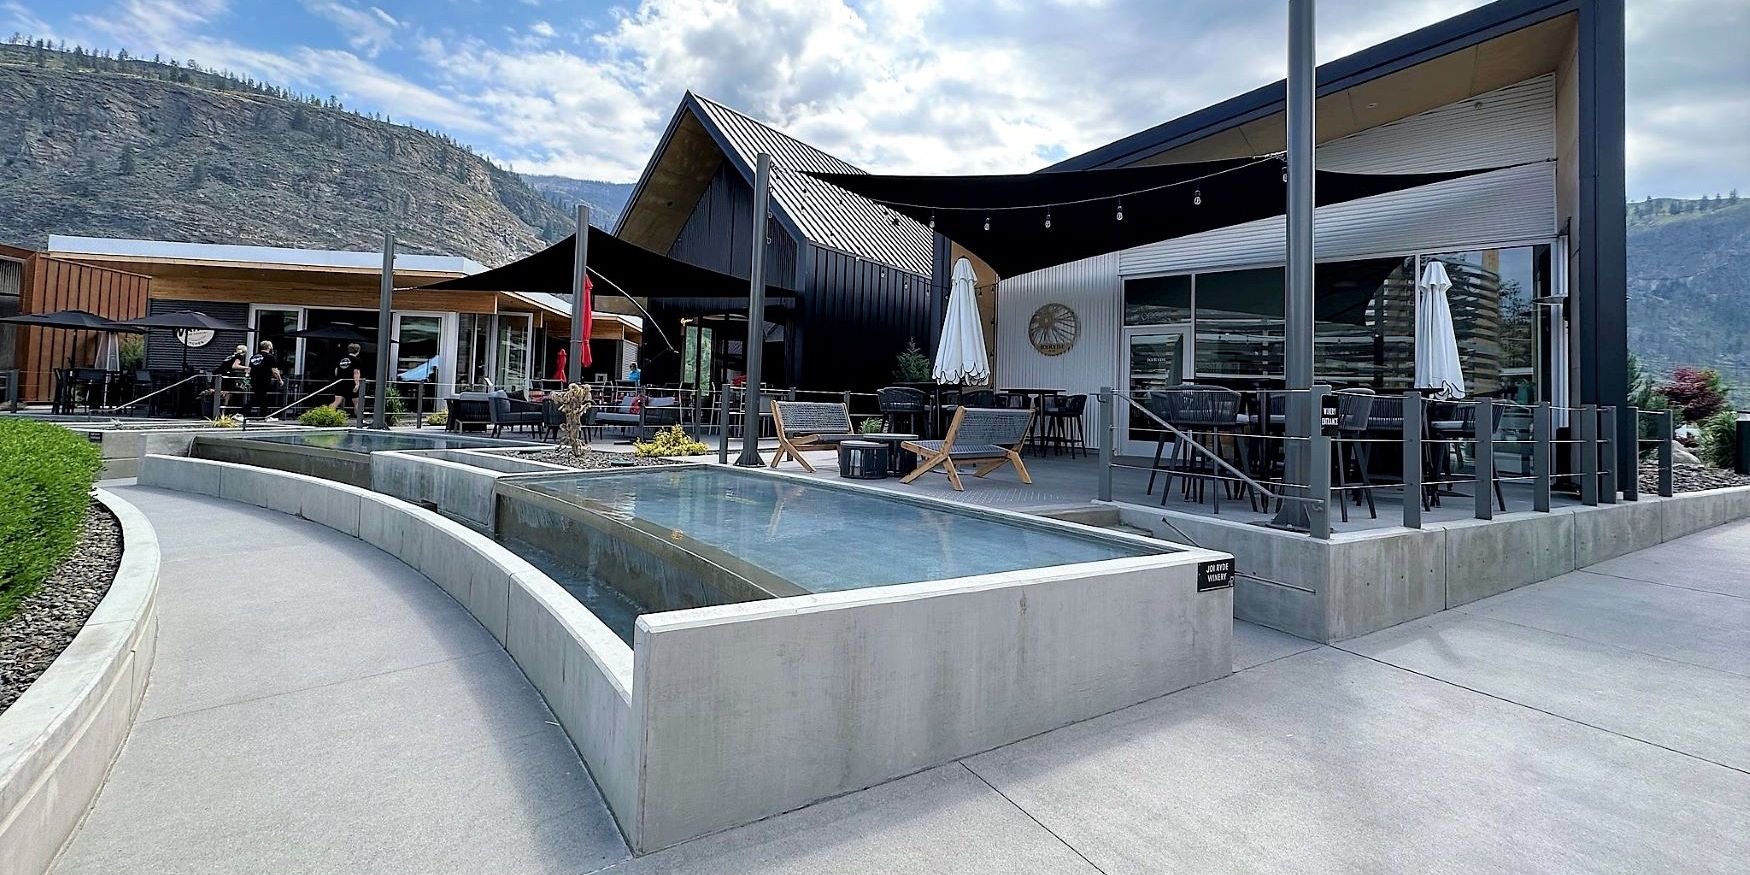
(1063, 423)
(1354, 412)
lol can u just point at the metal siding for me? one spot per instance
(1092, 288)
(164, 352)
(827, 215)
(857, 316)
(1512, 125)
(719, 233)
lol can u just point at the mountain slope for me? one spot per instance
(129, 148)
(1689, 287)
(606, 199)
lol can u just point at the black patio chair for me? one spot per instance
(1354, 412)
(898, 401)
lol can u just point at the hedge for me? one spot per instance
(46, 473)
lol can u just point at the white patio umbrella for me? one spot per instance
(1437, 364)
(960, 357)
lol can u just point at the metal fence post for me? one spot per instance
(1412, 460)
(1542, 424)
(723, 428)
(1485, 459)
(12, 390)
(1319, 484)
(1666, 486)
(1630, 482)
(1607, 463)
(1106, 435)
(1589, 455)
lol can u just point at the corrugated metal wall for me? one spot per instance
(52, 284)
(856, 315)
(1091, 287)
(1509, 126)
(719, 233)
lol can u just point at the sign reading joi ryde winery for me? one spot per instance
(1215, 574)
(1053, 329)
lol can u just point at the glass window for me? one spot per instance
(418, 345)
(1492, 314)
(1239, 325)
(513, 352)
(471, 343)
(1157, 300)
(1365, 318)
(277, 326)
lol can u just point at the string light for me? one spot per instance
(1048, 219)
(987, 222)
(1197, 197)
(1120, 216)
(1284, 173)
(932, 221)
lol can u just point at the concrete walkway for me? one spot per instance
(320, 707)
(317, 706)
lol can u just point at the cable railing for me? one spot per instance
(1245, 452)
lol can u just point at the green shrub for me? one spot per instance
(323, 417)
(671, 441)
(438, 418)
(225, 420)
(912, 365)
(872, 425)
(1719, 439)
(46, 474)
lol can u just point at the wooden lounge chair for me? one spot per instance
(801, 424)
(991, 437)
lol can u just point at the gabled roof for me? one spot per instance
(1441, 42)
(823, 214)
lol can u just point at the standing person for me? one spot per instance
(264, 377)
(230, 372)
(349, 371)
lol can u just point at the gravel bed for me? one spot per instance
(47, 621)
(1690, 478)
(591, 459)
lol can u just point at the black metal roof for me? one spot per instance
(1444, 37)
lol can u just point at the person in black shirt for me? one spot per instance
(230, 373)
(264, 378)
(350, 372)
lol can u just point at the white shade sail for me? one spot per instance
(960, 357)
(1437, 365)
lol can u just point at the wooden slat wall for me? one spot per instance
(52, 284)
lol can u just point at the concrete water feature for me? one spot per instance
(340, 454)
(720, 715)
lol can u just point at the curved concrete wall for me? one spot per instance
(57, 741)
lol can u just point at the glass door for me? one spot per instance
(1154, 358)
(512, 362)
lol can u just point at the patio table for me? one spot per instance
(900, 461)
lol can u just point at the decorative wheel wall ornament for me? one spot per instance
(194, 338)
(1053, 329)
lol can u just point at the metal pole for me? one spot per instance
(385, 340)
(1589, 455)
(1607, 461)
(1298, 306)
(1665, 479)
(579, 270)
(1106, 430)
(1542, 427)
(723, 427)
(1319, 512)
(1412, 460)
(756, 315)
(1630, 481)
(1485, 459)
(12, 390)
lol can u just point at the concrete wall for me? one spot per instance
(1362, 582)
(458, 483)
(813, 696)
(122, 449)
(57, 741)
(732, 713)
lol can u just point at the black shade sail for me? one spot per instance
(1025, 222)
(76, 320)
(614, 263)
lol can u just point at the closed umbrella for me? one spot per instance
(1437, 365)
(960, 357)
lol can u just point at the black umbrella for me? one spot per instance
(76, 320)
(338, 331)
(185, 320)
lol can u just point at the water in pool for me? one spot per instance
(360, 441)
(825, 539)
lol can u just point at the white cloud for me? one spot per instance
(542, 29)
(367, 30)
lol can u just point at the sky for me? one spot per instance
(583, 88)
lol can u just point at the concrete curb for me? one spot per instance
(58, 740)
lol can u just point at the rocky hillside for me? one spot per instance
(606, 199)
(1689, 290)
(119, 147)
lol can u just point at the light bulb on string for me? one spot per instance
(1284, 173)
(1197, 197)
(987, 223)
(1048, 219)
(1120, 215)
(932, 221)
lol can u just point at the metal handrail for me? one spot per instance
(1211, 455)
(120, 407)
(331, 384)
